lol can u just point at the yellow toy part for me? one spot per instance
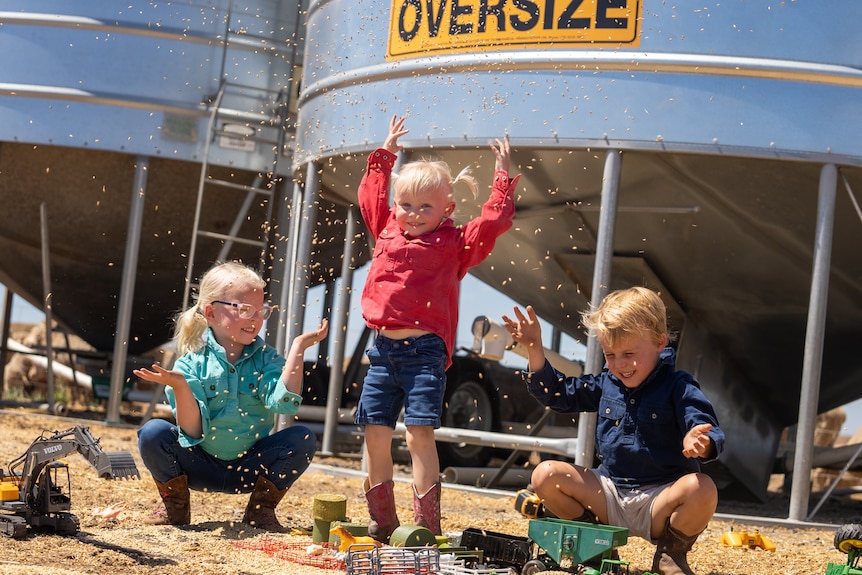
(8, 490)
(733, 538)
(350, 542)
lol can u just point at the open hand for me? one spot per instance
(697, 442)
(501, 154)
(526, 330)
(160, 375)
(396, 130)
(309, 338)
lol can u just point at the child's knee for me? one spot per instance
(699, 487)
(421, 438)
(155, 437)
(550, 471)
(707, 489)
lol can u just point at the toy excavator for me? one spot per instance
(38, 494)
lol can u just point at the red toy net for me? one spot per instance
(295, 552)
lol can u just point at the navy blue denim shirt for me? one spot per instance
(639, 431)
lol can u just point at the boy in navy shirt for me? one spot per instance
(654, 427)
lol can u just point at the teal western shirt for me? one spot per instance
(238, 402)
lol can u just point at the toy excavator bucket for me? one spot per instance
(117, 465)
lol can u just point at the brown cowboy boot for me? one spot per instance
(671, 552)
(381, 507)
(175, 508)
(260, 511)
(426, 509)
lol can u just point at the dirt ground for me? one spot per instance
(217, 543)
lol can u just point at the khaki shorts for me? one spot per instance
(630, 508)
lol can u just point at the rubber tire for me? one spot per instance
(466, 406)
(847, 536)
(533, 566)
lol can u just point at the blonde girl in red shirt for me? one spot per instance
(411, 299)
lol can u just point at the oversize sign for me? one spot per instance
(428, 27)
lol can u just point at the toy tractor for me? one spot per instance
(848, 539)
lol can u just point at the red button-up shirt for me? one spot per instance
(413, 283)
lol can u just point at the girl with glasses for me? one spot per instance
(225, 390)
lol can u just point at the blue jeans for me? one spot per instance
(281, 457)
(408, 373)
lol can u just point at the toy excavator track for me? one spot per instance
(13, 526)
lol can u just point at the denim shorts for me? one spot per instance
(405, 373)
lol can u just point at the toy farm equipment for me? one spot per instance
(553, 545)
(36, 488)
(745, 539)
(848, 539)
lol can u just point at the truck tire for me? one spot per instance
(466, 405)
(848, 536)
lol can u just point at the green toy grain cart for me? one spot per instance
(569, 544)
(553, 545)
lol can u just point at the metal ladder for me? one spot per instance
(255, 128)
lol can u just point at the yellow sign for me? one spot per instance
(430, 27)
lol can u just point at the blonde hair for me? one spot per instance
(191, 324)
(634, 311)
(426, 176)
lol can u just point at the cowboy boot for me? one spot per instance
(426, 509)
(175, 508)
(260, 511)
(671, 552)
(381, 507)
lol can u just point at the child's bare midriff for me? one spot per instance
(402, 333)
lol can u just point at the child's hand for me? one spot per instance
(501, 153)
(310, 338)
(526, 330)
(161, 375)
(396, 130)
(697, 443)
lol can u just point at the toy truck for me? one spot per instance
(553, 545)
(35, 490)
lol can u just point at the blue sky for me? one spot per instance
(477, 298)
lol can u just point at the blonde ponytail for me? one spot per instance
(465, 176)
